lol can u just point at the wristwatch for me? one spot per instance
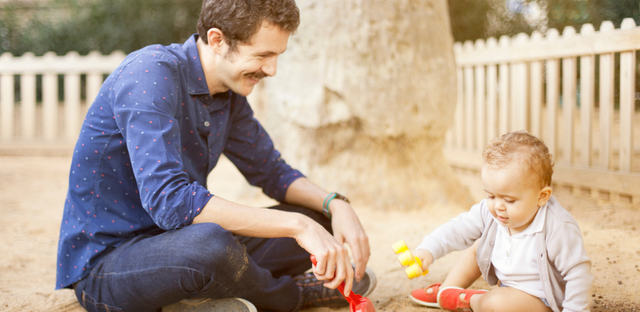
(341, 197)
(327, 200)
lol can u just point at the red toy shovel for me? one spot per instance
(357, 303)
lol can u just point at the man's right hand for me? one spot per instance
(333, 263)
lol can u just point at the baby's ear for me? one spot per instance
(544, 195)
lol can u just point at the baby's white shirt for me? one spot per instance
(514, 256)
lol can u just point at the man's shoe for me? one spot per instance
(314, 294)
(211, 305)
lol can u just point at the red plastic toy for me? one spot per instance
(357, 303)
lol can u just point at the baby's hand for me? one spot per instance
(425, 256)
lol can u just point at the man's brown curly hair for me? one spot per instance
(525, 148)
(239, 20)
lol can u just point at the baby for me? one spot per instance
(519, 237)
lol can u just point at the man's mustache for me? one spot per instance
(256, 75)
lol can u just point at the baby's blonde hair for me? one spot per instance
(525, 148)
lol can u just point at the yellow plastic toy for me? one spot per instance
(407, 259)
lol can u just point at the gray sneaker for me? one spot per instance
(211, 305)
(314, 294)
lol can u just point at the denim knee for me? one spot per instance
(209, 246)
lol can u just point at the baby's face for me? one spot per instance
(513, 196)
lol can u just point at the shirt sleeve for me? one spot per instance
(251, 149)
(570, 259)
(145, 103)
(457, 234)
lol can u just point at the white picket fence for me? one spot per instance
(533, 83)
(49, 121)
(503, 85)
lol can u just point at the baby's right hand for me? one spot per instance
(425, 256)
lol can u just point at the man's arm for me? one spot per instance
(144, 106)
(270, 223)
(252, 151)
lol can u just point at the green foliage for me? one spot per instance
(105, 26)
(474, 19)
(577, 12)
(9, 29)
(128, 25)
(468, 19)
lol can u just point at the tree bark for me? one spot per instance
(362, 99)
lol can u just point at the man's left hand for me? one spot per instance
(347, 228)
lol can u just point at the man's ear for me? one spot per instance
(216, 41)
(544, 195)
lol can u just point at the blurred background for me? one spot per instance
(328, 109)
(388, 102)
(86, 25)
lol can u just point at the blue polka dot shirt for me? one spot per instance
(147, 144)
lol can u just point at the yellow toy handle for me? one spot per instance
(406, 258)
(399, 246)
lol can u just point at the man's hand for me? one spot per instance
(347, 228)
(333, 264)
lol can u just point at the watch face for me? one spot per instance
(338, 196)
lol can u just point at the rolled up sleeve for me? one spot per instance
(145, 109)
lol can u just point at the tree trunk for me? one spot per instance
(362, 99)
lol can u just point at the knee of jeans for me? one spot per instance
(214, 246)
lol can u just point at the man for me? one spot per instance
(140, 230)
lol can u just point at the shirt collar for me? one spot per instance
(538, 222)
(196, 81)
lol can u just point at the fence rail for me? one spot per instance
(47, 118)
(575, 90)
(547, 86)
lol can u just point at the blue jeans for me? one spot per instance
(148, 272)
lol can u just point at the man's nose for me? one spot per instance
(270, 67)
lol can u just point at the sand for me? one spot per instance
(33, 191)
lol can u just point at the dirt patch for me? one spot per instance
(34, 188)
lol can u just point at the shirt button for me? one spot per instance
(206, 124)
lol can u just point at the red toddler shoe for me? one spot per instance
(456, 298)
(426, 296)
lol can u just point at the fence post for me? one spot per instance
(519, 86)
(50, 99)
(504, 90)
(587, 84)
(536, 91)
(606, 101)
(71, 100)
(480, 107)
(459, 113)
(552, 77)
(7, 100)
(492, 89)
(568, 100)
(627, 101)
(468, 101)
(28, 100)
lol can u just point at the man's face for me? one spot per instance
(242, 69)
